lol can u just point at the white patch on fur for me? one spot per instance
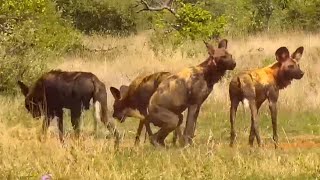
(97, 110)
(245, 102)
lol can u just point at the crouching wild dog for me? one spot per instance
(133, 100)
(57, 89)
(188, 88)
(258, 85)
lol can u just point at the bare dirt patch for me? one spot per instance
(299, 142)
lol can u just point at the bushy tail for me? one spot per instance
(101, 109)
(100, 102)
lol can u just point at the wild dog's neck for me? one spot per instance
(280, 78)
(212, 72)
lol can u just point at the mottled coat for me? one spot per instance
(57, 89)
(133, 100)
(258, 85)
(187, 89)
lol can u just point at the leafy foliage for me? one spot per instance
(31, 32)
(197, 23)
(190, 22)
(99, 16)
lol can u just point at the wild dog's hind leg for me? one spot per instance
(254, 130)
(233, 112)
(165, 119)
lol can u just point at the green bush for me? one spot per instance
(304, 15)
(191, 22)
(198, 23)
(99, 16)
(32, 33)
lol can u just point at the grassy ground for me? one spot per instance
(22, 156)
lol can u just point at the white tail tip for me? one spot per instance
(245, 103)
(97, 110)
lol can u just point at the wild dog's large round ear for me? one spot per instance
(115, 93)
(298, 53)
(24, 88)
(210, 48)
(123, 90)
(282, 54)
(223, 44)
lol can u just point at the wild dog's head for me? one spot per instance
(220, 56)
(289, 65)
(32, 101)
(120, 106)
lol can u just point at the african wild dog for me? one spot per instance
(258, 85)
(188, 88)
(57, 89)
(133, 100)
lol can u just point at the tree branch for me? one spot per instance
(165, 6)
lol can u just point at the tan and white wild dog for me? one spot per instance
(259, 85)
(188, 88)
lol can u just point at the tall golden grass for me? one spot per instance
(22, 156)
(135, 58)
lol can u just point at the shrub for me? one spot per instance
(191, 22)
(99, 16)
(32, 33)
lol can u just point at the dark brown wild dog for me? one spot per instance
(258, 85)
(133, 100)
(188, 88)
(57, 89)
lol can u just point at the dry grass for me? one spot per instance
(22, 156)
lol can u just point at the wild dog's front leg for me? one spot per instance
(273, 98)
(141, 124)
(45, 126)
(112, 128)
(274, 112)
(59, 114)
(75, 120)
(254, 132)
(177, 134)
(193, 112)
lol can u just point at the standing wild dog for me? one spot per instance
(133, 100)
(258, 85)
(188, 88)
(57, 89)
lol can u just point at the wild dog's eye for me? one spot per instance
(291, 66)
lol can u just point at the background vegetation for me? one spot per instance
(34, 32)
(112, 40)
